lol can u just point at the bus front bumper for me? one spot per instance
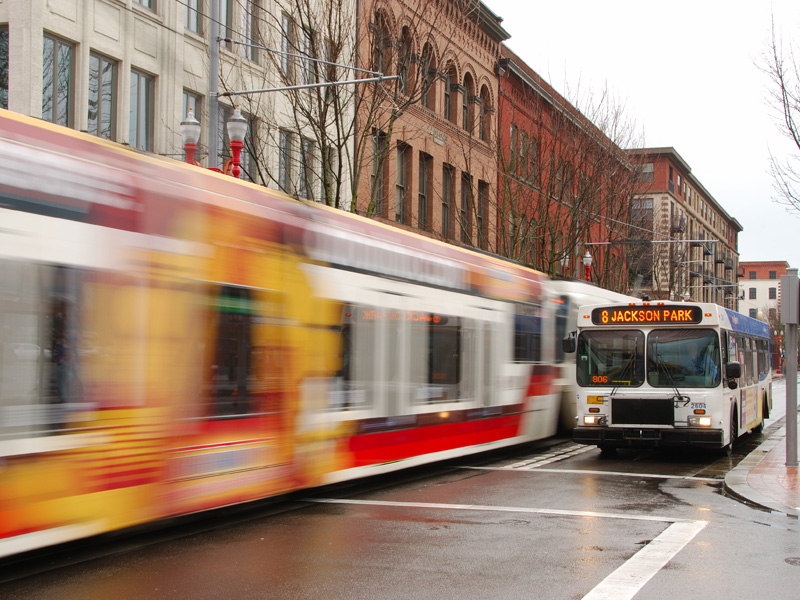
(647, 437)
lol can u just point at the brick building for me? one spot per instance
(565, 189)
(694, 250)
(429, 143)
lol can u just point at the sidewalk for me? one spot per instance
(762, 479)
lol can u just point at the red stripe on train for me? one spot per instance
(376, 448)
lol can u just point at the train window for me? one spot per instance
(444, 351)
(437, 348)
(230, 382)
(41, 348)
(527, 333)
(355, 383)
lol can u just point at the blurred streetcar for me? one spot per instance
(173, 340)
(569, 295)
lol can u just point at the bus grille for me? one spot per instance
(641, 411)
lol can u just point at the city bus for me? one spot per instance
(657, 374)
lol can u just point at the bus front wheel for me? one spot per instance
(734, 433)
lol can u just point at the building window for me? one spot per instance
(151, 4)
(647, 173)
(404, 61)
(425, 167)
(428, 78)
(773, 315)
(380, 148)
(58, 75)
(307, 152)
(226, 21)
(401, 186)
(4, 67)
(102, 96)
(285, 161)
(250, 20)
(483, 207)
(752, 293)
(287, 48)
(754, 313)
(773, 293)
(448, 185)
(450, 86)
(141, 116)
(465, 210)
(193, 102)
(309, 72)
(773, 274)
(485, 121)
(752, 275)
(192, 20)
(466, 103)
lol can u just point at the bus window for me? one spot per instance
(610, 358)
(683, 357)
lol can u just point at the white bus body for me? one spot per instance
(654, 374)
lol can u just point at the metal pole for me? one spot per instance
(213, 86)
(790, 315)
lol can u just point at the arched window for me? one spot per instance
(467, 115)
(485, 121)
(382, 45)
(450, 101)
(428, 78)
(404, 54)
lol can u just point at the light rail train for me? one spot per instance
(173, 340)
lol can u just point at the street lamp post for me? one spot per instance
(587, 265)
(237, 128)
(190, 132)
(564, 265)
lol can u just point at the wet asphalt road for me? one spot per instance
(552, 520)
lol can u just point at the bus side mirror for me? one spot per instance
(569, 343)
(733, 370)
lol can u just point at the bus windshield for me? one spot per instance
(674, 358)
(683, 358)
(610, 358)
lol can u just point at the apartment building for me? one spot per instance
(689, 243)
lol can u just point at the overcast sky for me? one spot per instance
(687, 74)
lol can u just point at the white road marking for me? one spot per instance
(614, 473)
(628, 579)
(511, 509)
(625, 582)
(546, 459)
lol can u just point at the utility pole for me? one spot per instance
(790, 316)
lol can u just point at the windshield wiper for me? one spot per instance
(660, 363)
(624, 372)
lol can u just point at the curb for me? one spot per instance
(735, 484)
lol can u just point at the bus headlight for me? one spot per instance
(594, 420)
(695, 421)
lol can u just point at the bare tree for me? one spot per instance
(566, 186)
(783, 69)
(342, 81)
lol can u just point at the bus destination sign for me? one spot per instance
(643, 315)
